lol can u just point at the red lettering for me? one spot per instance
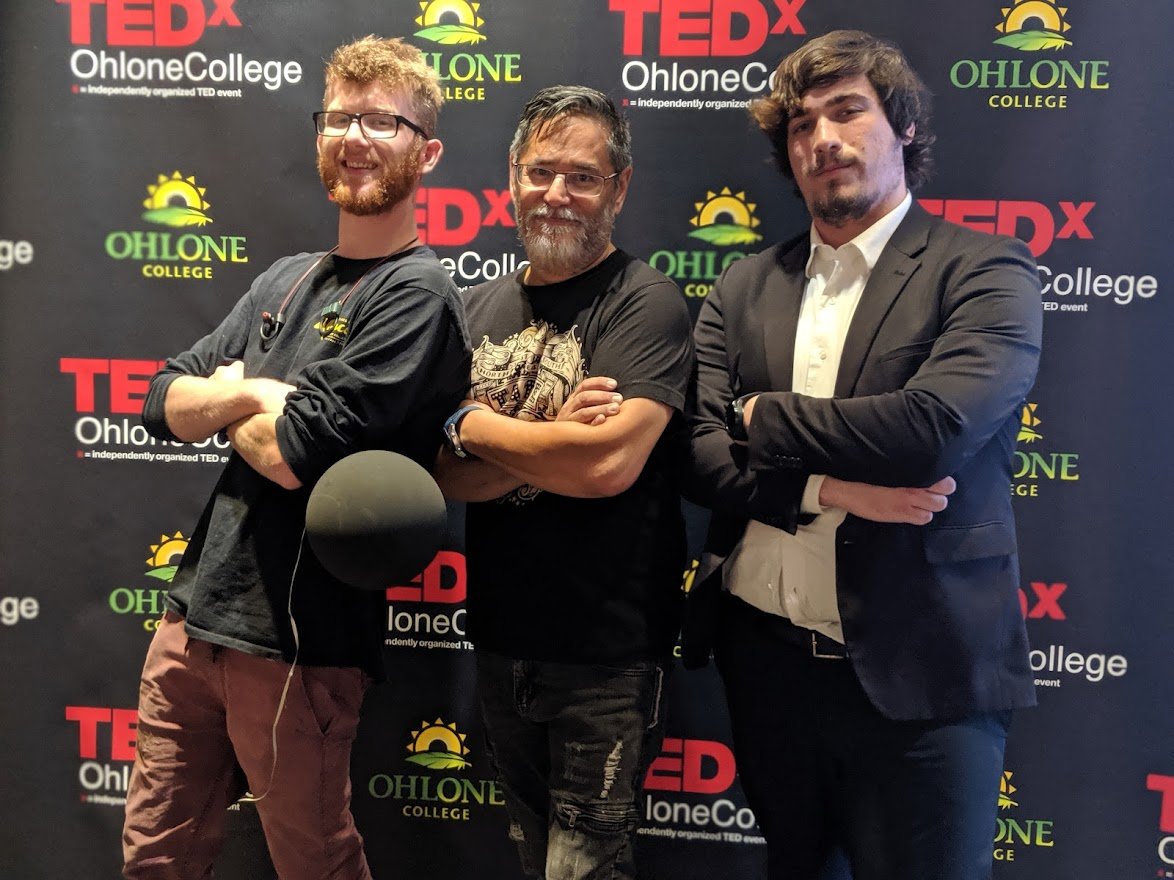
(498, 213)
(84, 370)
(688, 772)
(79, 20)
(633, 12)
(1048, 604)
(128, 385)
(129, 380)
(430, 586)
(123, 730)
(965, 211)
(1043, 226)
(1074, 220)
(1164, 784)
(723, 42)
(123, 734)
(453, 216)
(129, 23)
(88, 719)
(789, 17)
(148, 22)
(678, 34)
(223, 14)
(165, 32)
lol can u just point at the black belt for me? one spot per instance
(820, 646)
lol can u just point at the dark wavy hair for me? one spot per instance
(838, 55)
(558, 101)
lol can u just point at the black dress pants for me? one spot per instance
(824, 770)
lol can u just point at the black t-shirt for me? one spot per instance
(570, 579)
(382, 373)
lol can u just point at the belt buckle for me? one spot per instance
(816, 653)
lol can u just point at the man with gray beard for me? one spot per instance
(578, 382)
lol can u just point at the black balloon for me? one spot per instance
(375, 519)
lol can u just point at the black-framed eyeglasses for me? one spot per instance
(377, 125)
(578, 183)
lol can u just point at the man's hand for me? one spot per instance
(232, 372)
(591, 402)
(885, 504)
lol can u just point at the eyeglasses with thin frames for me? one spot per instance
(577, 183)
(377, 124)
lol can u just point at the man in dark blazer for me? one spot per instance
(856, 408)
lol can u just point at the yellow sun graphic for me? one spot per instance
(1006, 789)
(165, 556)
(176, 201)
(438, 746)
(725, 218)
(1033, 25)
(450, 22)
(1028, 421)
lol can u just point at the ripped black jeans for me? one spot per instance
(571, 744)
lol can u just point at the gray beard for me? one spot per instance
(564, 251)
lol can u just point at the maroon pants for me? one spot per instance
(204, 710)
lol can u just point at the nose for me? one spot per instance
(826, 136)
(557, 193)
(354, 132)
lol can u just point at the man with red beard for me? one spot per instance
(262, 658)
(577, 385)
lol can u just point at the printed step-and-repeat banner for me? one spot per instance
(1052, 126)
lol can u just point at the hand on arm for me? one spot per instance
(472, 479)
(568, 457)
(885, 504)
(196, 407)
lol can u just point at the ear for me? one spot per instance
(622, 187)
(907, 138)
(430, 155)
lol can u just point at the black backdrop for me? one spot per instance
(1052, 127)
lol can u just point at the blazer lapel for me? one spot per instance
(898, 261)
(780, 315)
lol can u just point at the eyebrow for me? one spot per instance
(589, 167)
(834, 101)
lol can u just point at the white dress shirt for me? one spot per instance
(794, 576)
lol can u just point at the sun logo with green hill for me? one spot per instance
(1033, 26)
(1028, 421)
(1006, 789)
(176, 201)
(165, 556)
(725, 218)
(450, 22)
(438, 746)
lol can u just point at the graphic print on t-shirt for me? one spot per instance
(528, 376)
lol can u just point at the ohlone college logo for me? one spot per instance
(1034, 25)
(1012, 832)
(464, 76)
(1044, 79)
(150, 602)
(1033, 467)
(463, 31)
(725, 218)
(176, 201)
(438, 746)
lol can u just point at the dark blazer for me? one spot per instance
(940, 354)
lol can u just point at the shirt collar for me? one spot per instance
(867, 244)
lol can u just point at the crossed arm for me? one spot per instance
(595, 448)
(196, 407)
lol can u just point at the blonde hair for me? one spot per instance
(394, 64)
